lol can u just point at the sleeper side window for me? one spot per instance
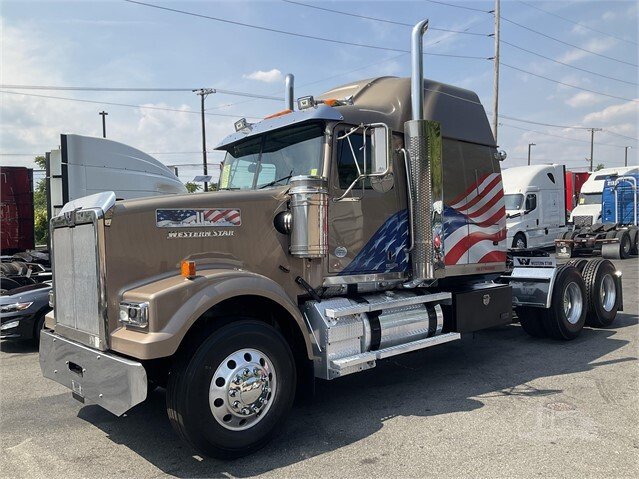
(531, 202)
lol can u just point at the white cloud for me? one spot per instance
(271, 76)
(583, 98)
(614, 113)
(596, 45)
(609, 15)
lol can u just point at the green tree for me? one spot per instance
(40, 216)
(192, 187)
(600, 166)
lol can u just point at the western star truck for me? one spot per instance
(534, 198)
(368, 222)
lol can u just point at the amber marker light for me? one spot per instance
(188, 269)
(279, 113)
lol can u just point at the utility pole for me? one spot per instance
(204, 92)
(625, 162)
(496, 75)
(592, 145)
(103, 114)
(530, 145)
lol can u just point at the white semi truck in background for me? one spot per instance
(85, 165)
(588, 209)
(535, 199)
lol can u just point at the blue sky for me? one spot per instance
(119, 44)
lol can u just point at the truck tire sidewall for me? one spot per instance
(555, 320)
(594, 274)
(531, 320)
(519, 237)
(197, 422)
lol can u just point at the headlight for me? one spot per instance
(9, 325)
(12, 308)
(134, 314)
(51, 299)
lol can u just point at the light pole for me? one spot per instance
(204, 92)
(529, 146)
(625, 161)
(592, 144)
(103, 114)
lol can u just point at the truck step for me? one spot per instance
(335, 313)
(352, 361)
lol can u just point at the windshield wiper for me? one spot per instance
(287, 177)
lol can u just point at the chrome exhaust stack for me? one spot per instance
(289, 95)
(423, 143)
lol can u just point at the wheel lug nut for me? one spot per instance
(236, 403)
(246, 372)
(246, 411)
(232, 393)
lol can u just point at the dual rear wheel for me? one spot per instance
(584, 292)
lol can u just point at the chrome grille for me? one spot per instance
(583, 220)
(75, 279)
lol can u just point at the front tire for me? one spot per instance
(519, 241)
(228, 396)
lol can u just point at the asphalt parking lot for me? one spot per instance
(499, 404)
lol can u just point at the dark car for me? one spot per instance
(22, 311)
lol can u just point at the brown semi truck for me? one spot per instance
(368, 222)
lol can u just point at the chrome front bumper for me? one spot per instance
(112, 382)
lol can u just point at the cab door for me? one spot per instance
(367, 228)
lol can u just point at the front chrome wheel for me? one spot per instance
(573, 303)
(242, 388)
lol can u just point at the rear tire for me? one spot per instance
(602, 297)
(578, 263)
(567, 313)
(625, 244)
(532, 321)
(229, 395)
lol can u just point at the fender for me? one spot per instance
(175, 304)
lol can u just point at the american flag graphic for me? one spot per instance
(473, 231)
(177, 218)
(475, 224)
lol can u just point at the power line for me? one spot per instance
(459, 6)
(294, 34)
(566, 64)
(566, 43)
(383, 20)
(545, 124)
(577, 23)
(86, 88)
(559, 136)
(123, 104)
(566, 84)
(619, 134)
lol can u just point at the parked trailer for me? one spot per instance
(574, 181)
(345, 232)
(618, 234)
(16, 210)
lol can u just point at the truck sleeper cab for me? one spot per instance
(346, 231)
(535, 205)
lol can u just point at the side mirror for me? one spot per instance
(382, 149)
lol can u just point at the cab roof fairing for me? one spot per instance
(320, 112)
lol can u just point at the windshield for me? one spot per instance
(513, 202)
(273, 158)
(589, 198)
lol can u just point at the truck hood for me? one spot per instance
(147, 239)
